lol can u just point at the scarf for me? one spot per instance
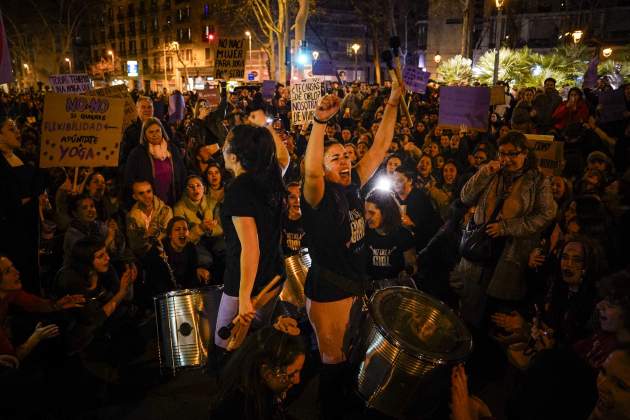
(159, 151)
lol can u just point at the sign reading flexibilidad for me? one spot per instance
(230, 59)
(132, 68)
(69, 83)
(304, 98)
(80, 131)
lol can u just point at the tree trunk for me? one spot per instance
(282, 36)
(376, 58)
(300, 22)
(467, 28)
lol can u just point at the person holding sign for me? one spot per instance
(339, 255)
(156, 160)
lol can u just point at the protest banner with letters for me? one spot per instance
(230, 59)
(497, 95)
(550, 153)
(79, 130)
(464, 105)
(70, 83)
(211, 94)
(268, 89)
(416, 79)
(120, 92)
(304, 98)
(613, 106)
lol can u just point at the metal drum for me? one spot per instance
(293, 290)
(410, 341)
(185, 326)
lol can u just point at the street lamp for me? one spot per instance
(315, 55)
(499, 29)
(355, 47)
(437, 58)
(249, 36)
(607, 52)
(577, 36)
(26, 67)
(69, 63)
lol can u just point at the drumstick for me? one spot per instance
(241, 327)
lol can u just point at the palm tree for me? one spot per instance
(456, 70)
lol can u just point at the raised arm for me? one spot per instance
(282, 154)
(314, 156)
(382, 140)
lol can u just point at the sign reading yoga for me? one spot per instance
(80, 130)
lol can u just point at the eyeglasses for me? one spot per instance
(510, 155)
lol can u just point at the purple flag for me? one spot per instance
(6, 74)
(590, 77)
(464, 105)
(268, 89)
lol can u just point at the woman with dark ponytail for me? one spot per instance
(251, 217)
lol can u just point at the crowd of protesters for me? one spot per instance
(371, 194)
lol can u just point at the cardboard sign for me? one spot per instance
(80, 130)
(323, 68)
(464, 105)
(550, 153)
(416, 79)
(497, 95)
(230, 59)
(613, 106)
(211, 95)
(121, 92)
(304, 98)
(70, 83)
(268, 89)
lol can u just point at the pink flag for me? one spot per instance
(6, 74)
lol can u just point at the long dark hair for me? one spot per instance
(82, 254)
(148, 123)
(268, 346)
(255, 149)
(387, 204)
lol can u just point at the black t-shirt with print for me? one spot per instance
(293, 236)
(244, 199)
(336, 235)
(386, 259)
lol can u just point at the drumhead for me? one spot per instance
(186, 292)
(420, 324)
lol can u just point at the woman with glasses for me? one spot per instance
(524, 195)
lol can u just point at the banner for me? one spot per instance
(268, 89)
(613, 105)
(497, 95)
(304, 98)
(211, 95)
(550, 153)
(464, 105)
(416, 79)
(80, 130)
(6, 73)
(590, 76)
(230, 59)
(121, 92)
(70, 83)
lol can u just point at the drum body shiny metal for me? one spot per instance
(409, 343)
(185, 326)
(293, 290)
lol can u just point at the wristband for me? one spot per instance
(318, 121)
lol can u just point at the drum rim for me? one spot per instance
(184, 292)
(461, 352)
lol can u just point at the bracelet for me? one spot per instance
(391, 104)
(318, 121)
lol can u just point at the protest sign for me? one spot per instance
(268, 89)
(121, 92)
(464, 105)
(304, 98)
(230, 59)
(80, 130)
(550, 153)
(323, 68)
(497, 95)
(211, 94)
(613, 106)
(69, 83)
(416, 79)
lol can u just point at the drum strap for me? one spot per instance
(354, 287)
